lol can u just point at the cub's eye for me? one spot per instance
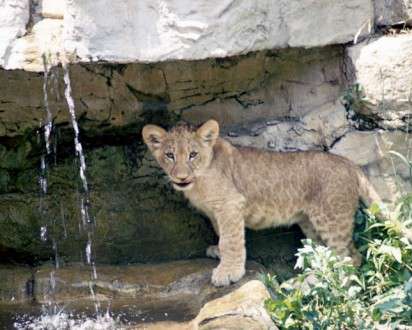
(170, 155)
(193, 155)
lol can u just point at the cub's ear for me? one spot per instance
(153, 136)
(209, 132)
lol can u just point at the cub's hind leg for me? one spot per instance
(309, 230)
(336, 230)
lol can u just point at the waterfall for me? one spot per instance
(87, 221)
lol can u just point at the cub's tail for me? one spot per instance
(367, 192)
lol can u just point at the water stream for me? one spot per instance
(54, 316)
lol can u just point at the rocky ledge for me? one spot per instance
(175, 293)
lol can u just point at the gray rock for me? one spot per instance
(372, 150)
(391, 12)
(382, 69)
(126, 32)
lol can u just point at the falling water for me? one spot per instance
(87, 221)
(47, 130)
(79, 149)
(49, 124)
(53, 316)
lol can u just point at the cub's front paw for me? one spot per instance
(213, 252)
(223, 276)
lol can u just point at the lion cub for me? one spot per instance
(239, 186)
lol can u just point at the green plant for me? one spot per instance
(357, 104)
(326, 295)
(354, 97)
(331, 294)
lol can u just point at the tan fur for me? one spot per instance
(238, 186)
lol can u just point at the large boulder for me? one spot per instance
(391, 12)
(126, 31)
(161, 31)
(382, 70)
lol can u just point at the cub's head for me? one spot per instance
(184, 152)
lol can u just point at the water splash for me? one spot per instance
(43, 233)
(62, 321)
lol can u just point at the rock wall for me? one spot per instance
(282, 76)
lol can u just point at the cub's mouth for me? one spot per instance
(182, 185)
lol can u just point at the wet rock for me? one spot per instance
(382, 69)
(16, 284)
(184, 286)
(139, 218)
(138, 215)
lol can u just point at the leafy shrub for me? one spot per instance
(331, 293)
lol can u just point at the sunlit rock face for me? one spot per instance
(382, 67)
(14, 17)
(153, 31)
(164, 30)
